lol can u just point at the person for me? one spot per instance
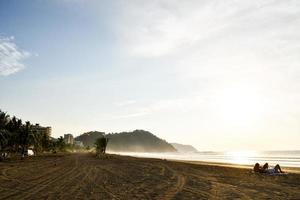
(266, 169)
(257, 168)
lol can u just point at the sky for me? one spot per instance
(219, 75)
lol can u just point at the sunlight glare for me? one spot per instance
(240, 106)
(241, 157)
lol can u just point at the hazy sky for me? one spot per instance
(220, 75)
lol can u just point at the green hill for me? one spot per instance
(89, 138)
(135, 141)
(184, 148)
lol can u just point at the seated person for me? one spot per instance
(276, 169)
(257, 168)
(266, 169)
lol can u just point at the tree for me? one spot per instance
(16, 137)
(4, 140)
(60, 144)
(15, 128)
(26, 135)
(100, 145)
(35, 140)
(4, 119)
(4, 134)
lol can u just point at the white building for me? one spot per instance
(68, 138)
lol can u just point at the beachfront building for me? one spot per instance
(45, 130)
(68, 138)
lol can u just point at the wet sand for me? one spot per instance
(83, 176)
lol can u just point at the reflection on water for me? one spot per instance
(240, 157)
(284, 158)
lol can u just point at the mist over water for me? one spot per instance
(283, 158)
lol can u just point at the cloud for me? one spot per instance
(213, 44)
(126, 116)
(121, 116)
(11, 56)
(159, 28)
(125, 103)
(181, 105)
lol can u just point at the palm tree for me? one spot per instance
(101, 144)
(16, 137)
(60, 143)
(4, 143)
(4, 119)
(4, 134)
(15, 128)
(44, 140)
(34, 140)
(26, 131)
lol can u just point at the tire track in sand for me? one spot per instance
(177, 188)
(64, 171)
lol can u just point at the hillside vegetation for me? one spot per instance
(135, 141)
(89, 138)
(184, 148)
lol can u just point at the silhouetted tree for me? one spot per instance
(100, 145)
(4, 134)
(26, 134)
(60, 144)
(16, 137)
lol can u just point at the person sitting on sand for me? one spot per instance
(276, 169)
(266, 169)
(257, 168)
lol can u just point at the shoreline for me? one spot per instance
(295, 170)
(199, 162)
(83, 176)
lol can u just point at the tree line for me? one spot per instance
(16, 138)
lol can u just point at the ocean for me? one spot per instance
(283, 158)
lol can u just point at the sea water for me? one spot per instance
(283, 158)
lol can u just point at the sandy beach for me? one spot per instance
(83, 176)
